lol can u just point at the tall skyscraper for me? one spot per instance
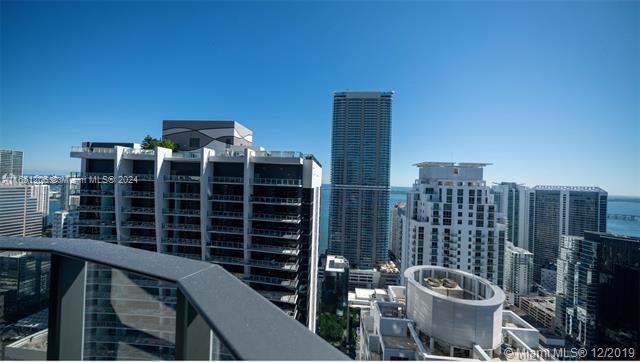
(252, 211)
(11, 162)
(598, 290)
(562, 210)
(512, 202)
(19, 214)
(397, 214)
(360, 158)
(41, 194)
(451, 221)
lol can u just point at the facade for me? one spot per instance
(397, 213)
(597, 290)
(335, 286)
(24, 284)
(360, 160)
(193, 135)
(41, 194)
(451, 221)
(441, 314)
(562, 210)
(518, 272)
(380, 276)
(252, 211)
(11, 162)
(512, 202)
(19, 215)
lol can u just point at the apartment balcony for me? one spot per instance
(139, 210)
(226, 198)
(226, 245)
(182, 212)
(273, 249)
(182, 178)
(291, 201)
(141, 240)
(276, 265)
(187, 155)
(226, 180)
(282, 297)
(280, 234)
(185, 227)
(143, 176)
(139, 224)
(97, 237)
(182, 241)
(226, 215)
(139, 194)
(282, 282)
(280, 154)
(96, 222)
(200, 312)
(225, 260)
(138, 153)
(226, 230)
(182, 195)
(91, 208)
(293, 218)
(98, 193)
(261, 181)
(93, 152)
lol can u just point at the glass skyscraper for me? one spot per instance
(360, 158)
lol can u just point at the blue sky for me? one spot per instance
(549, 92)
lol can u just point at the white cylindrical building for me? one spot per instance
(454, 310)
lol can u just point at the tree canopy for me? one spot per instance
(150, 143)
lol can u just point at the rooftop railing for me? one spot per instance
(245, 323)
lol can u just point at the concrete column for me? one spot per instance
(161, 170)
(205, 172)
(247, 211)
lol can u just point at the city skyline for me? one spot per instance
(562, 99)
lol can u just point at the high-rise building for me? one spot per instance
(64, 224)
(19, 215)
(562, 210)
(512, 202)
(11, 162)
(451, 221)
(598, 290)
(397, 213)
(360, 158)
(41, 194)
(252, 211)
(24, 284)
(518, 272)
(335, 286)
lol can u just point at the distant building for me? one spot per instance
(19, 215)
(11, 163)
(41, 194)
(335, 286)
(397, 214)
(360, 161)
(598, 290)
(540, 309)
(442, 313)
(512, 201)
(451, 221)
(381, 276)
(69, 199)
(562, 210)
(518, 272)
(24, 284)
(64, 224)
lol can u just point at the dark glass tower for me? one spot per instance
(599, 290)
(360, 158)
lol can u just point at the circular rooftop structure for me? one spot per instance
(455, 308)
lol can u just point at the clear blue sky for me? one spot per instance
(548, 92)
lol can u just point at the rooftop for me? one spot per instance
(568, 188)
(452, 164)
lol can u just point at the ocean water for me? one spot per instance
(626, 205)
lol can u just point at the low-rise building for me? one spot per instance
(540, 309)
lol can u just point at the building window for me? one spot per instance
(194, 142)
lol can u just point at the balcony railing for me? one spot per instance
(283, 297)
(92, 208)
(287, 283)
(139, 224)
(273, 264)
(93, 149)
(96, 222)
(226, 214)
(139, 210)
(182, 241)
(187, 212)
(141, 239)
(293, 218)
(226, 180)
(182, 178)
(226, 260)
(143, 176)
(292, 235)
(226, 245)
(146, 194)
(277, 181)
(81, 192)
(191, 227)
(231, 198)
(182, 195)
(248, 325)
(226, 229)
(296, 201)
(273, 249)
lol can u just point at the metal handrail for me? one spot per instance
(243, 320)
(277, 181)
(226, 179)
